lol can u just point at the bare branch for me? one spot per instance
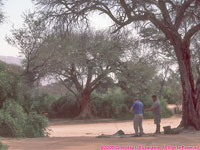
(191, 32)
(67, 87)
(165, 13)
(181, 13)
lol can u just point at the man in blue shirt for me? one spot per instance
(137, 108)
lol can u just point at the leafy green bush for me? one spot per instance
(36, 125)
(3, 147)
(14, 122)
(9, 79)
(115, 104)
(67, 107)
(101, 107)
(168, 95)
(165, 111)
(111, 104)
(40, 104)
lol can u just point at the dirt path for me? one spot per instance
(93, 129)
(76, 136)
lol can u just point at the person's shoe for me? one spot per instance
(136, 135)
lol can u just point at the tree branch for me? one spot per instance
(75, 80)
(165, 13)
(89, 77)
(67, 87)
(191, 32)
(181, 13)
(96, 86)
(126, 8)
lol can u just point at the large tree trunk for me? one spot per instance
(191, 99)
(86, 112)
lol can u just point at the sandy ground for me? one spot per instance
(81, 128)
(80, 135)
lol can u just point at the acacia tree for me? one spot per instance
(83, 61)
(30, 39)
(167, 16)
(135, 74)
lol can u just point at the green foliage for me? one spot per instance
(5, 85)
(36, 125)
(14, 122)
(165, 111)
(9, 79)
(172, 91)
(115, 104)
(38, 103)
(110, 104)
(136, 76)
(66, 106)
(3, 147)
(168, 94)
(44, 103)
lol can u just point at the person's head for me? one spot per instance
(154, 98)
(135, 99)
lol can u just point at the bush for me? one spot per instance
(168, 94)
(111, 104)
(12, 119)
(101, 107)
(14, 122)
(67, 107)
(9, 79)
(36, 126)
(3, 147)
(166, 113)
(40, 104)
(43, 104)
(115, 104)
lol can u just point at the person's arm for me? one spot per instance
(149, 109)
(131, 109)
(154, 106)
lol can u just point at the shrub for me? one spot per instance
(115, 104)
(3, 147)
(14, 122)
(9, 79)
(168, 95)
(12, 119)
(36, 125)
(67, 107)
(43, 103)
(100, 106)
(165, 111)
(111, 104)
(40, 104)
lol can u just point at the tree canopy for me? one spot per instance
(166, 16)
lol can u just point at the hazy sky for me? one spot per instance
(13, 10)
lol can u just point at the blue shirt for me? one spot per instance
(137, 107)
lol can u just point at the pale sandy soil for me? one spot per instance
(78, 128)
(80, 135)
